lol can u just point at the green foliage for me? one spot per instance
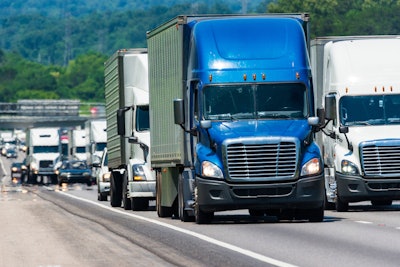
(338, 17)
(23, 79)
(56, 49)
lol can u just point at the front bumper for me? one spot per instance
(104, 187)
(142, 189)
(357, 188)
(305, 193)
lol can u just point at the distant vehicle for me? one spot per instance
(74, 171)
(43, 149)
(16, 170)
(11, 153)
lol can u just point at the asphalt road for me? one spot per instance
(53, 226)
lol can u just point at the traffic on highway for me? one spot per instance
(53, 225)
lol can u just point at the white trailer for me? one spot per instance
(43, 150)
(96, 140)
(77, 144)
(358, 83)
(128, 136)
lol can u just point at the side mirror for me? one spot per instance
(205, 124)
(313, 121)
(321, 116)
(330, 107)
(132, 140)
(121, 120)
(179, 113)
(343, 129)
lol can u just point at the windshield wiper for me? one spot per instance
(357, 123)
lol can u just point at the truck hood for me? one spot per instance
(358, 135)
(221, 131)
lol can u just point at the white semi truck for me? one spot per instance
(43, 150)
(96, 140)
(358, 84)
(77, 144)
(132, 180)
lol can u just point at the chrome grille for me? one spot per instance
(381, 160)
(45, 163)
(261, 161)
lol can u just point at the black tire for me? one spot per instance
(201, 217)
(115, 190)
(125, 200)
(139, 203)
(381, 202)
(182, 213)
(256, 213)
(316, 215)
(101, 196)
(341, 206)
(162, 211)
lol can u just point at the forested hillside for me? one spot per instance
(56, 49)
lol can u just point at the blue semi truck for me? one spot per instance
(232, 117)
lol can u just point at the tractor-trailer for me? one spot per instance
(358, 84)
(132, 180)
(232, 117)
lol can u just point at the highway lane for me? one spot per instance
(363, 236)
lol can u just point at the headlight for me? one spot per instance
(349, 168)
(209, 169)
(34, 166)
(138, 173)
(106, 177)
(312, 166)
(86, 174)
(14, 169)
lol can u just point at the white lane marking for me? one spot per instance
(191, 233)
(363, 222)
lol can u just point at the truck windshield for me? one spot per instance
(100, 146)
(142, 118)
(256, 101)
(369, 110)
(45, 149)
(80, 149)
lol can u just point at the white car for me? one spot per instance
(102, 177)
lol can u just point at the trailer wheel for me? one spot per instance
(125, 200)
(201, 217)
(162, 211)
(115, 190)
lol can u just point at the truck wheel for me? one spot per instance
(381, 202)
(139, 203)
(162, 211)
(316, 215)
(183, 214)
(256, 213)
(201, 217)
(341, 206)
(125, 200)
(115, 191)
